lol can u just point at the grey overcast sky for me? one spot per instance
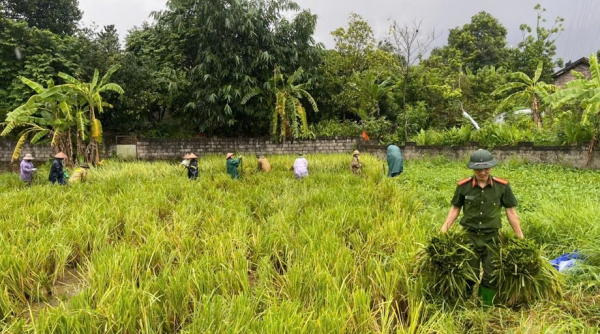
(582, 17)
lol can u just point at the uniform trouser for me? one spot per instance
(484, 247)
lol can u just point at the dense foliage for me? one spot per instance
(206, 68)
(140, 248)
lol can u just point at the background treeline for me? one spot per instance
(234, 68)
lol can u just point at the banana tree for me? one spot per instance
(585, 93)
(372, 92)
(289, 111)
(529, 89)
(87, 97)
(289, 115)
(46, 114)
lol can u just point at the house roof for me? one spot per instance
(571, 65)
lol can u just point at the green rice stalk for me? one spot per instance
(443, 265)
(522, 275)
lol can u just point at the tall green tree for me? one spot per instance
(410, 45)
(480, 43)
(38, 55)
(156, 91)
(586, 94)
(538, 44)
(530, 90)
(345, 67)
(226, 49)
(59, 16)
(99, 50)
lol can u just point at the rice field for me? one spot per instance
(141, 249)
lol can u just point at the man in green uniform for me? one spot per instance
(232, 165)
(482, 197)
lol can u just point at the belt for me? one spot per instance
(480, 232)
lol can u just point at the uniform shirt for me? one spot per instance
(481, 207)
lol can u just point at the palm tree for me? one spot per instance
(585, 93)
(530, 89)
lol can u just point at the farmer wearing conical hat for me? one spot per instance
(80, 174)
(356, 165)
(27, 169)
(481, 197)
(263, 163)
(232, 165)
(57, 173)
(192, 166)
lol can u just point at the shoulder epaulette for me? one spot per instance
(499, 180)
(463, 181)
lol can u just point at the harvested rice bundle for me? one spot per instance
(443, 265)
(522, 274)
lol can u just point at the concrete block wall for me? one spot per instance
(570, 156)
(39, 152)
(163, 149)
(157, 149)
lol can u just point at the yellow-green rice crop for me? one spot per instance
(332, 253)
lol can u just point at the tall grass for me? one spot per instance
(158, 253)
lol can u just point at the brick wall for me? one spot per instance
(156, 149)
(566, 77)
(40, 153)
(169, 149)
(162, 149)
(570, 156)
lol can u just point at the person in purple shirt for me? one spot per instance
(300, 166)
(27, 169)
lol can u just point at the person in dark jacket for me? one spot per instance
(232, 165)
(192, 167)
(57, 173)
(394, 160)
